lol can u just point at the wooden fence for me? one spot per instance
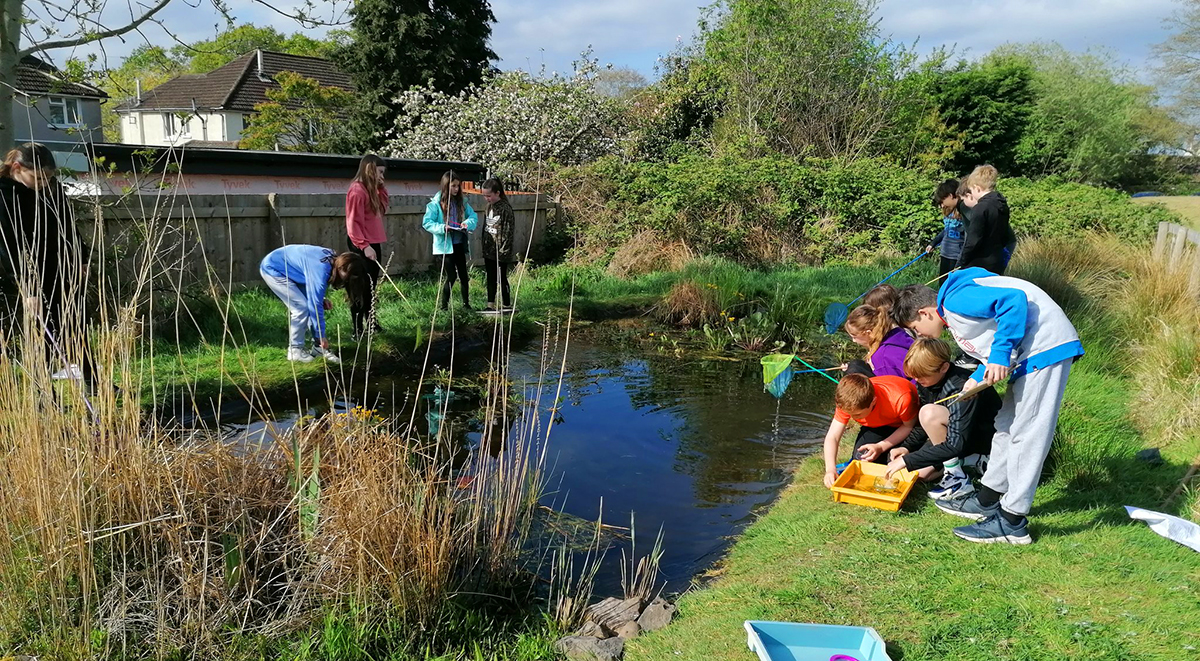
(1178, 247)
(222, 239)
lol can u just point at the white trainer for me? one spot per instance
(299, 355)
(329, 356)
(952, 487)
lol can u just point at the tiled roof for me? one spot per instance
(238, 85)
(36, 77)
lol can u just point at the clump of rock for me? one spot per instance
(609, 623)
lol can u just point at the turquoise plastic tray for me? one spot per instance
(791, 641)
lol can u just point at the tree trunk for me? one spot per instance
(10, 48)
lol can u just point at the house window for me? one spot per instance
(64, 111)
(172, 127)
(132, 118)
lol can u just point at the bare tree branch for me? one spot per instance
(89, 38)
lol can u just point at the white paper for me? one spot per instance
(1172, 527)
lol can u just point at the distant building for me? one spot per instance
(215, 108)
(60, 114)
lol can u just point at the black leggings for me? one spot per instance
(454, 266)
(945, 266)
(873, 435)
(497, 271)
(362, 313)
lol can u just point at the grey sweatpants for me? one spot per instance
(1024, 429)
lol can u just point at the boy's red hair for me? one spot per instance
(854, 393)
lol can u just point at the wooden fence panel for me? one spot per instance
(223, 238)
(1178, 247)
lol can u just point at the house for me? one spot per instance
(216, 107)
(58, 113)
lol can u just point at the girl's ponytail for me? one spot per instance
(31, 155)
(873, 321)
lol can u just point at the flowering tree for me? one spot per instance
(511, 122)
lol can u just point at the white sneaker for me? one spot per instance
(952, 487)
(72, 373)
(329, 356)
(299, 355)
(978, 462)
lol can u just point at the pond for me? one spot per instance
(691, 445)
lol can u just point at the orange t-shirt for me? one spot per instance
(895, 401)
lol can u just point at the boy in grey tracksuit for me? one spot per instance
(1019, 333)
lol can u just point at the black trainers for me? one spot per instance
(967, 508)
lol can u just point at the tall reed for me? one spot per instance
(125, 535)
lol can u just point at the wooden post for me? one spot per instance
(1177, 248)
(1194, 280)
(1160, 242)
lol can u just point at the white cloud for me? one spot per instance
(632, 32)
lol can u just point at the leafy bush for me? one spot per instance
(1055, 208)
(783, 210)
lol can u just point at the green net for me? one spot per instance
(775, 364)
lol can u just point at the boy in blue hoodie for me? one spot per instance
(1019, 333)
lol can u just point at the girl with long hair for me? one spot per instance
(499, 221)
(300, 275)
(45, 253)
(451, 220)
(886, 343)
(366, 206)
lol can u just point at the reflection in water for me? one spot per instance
(691, 446)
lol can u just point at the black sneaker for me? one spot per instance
(968, 508)
(996, 530)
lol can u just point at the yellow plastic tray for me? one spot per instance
(856, 485)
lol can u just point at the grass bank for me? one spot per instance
(236, 348)
(1095, 585)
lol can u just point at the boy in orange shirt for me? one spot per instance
(885, 406)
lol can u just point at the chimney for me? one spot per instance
(139, 90)
(258, 53)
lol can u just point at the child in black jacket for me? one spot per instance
(989, 241)
(947, 433)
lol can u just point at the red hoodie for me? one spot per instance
(363, 225)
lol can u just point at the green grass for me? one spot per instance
(1095, 585)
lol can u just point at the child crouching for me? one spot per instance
(885, 406)
(948, 433)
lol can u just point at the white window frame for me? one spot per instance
(66, 102)
(181, 126)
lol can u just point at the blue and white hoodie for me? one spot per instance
(1006, 321)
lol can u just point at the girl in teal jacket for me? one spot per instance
(451, 220)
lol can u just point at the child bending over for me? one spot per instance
(1015, 330)
(947, 433)
(886, 408)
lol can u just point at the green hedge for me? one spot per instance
(821, 210)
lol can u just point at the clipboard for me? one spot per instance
(965, 395)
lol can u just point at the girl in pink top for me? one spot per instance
(366, 206)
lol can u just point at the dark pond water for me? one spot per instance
(689, 445)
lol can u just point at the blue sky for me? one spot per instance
(634, 33)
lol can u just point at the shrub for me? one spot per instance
(784, 210)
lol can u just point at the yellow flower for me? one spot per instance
(731, 318)
(651, 334)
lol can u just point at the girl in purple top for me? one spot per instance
(886, 344)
